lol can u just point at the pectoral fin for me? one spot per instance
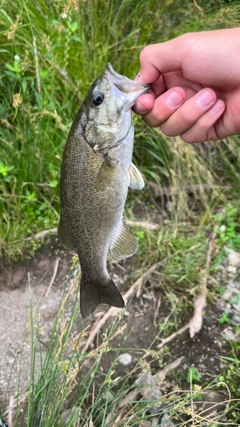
(135, 179)
(63, 235)
(125, 244)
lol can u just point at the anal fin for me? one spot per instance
(125, 243)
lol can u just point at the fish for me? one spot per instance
(96, 172)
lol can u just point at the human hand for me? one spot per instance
(195, 85)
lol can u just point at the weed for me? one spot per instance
(193, 375)
(224, 318)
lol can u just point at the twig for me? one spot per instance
(53, 276)
(44, 233)
(14, 403)
(147, 225)
(41, 234)
(113, 310)
(174, 335)
(200, 303)
(168, 191)
(10, 411)
(159, 377)
(136, 393)
(195, 324)
(36, 65)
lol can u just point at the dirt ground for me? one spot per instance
(25, 287)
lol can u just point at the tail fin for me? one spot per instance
(92, 294)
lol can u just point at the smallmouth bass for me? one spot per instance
(96, 171)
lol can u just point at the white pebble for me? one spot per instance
(234, 259)
(125, 359)
(231, 269)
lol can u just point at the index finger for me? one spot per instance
(160, 58)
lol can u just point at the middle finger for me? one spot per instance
(192, 109)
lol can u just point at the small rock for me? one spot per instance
(150, 391)
(230, 335)
(125, 359)
(233, 259)
(231, 269)
(165, 421)
(236, 305)
(69, 413)
(109, 396)
(148, 296)
(155, 422)
(169, 206)
(44, 264)
(236, 319)
(232, 294)
(145, 423)
(19, 275)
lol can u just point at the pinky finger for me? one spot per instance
(203, 129)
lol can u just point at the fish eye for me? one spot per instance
(98, 98)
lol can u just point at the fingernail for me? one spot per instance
(174, 99)
(204, 99)
(218, 106)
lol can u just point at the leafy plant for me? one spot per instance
(228, 226)
(193, 375)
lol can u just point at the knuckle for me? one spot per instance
(167, 130)
(149, 122)
(146, 53)
(188, 138)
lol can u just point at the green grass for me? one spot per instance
(50, 55)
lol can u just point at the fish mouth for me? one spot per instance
(131, 89)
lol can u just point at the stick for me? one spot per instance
(14, 403)
(167, 191)
(195, 324)
(43, 233)
(159, 377)
(147, 225)
(171, 337)
(10, 411)
(113, 310)
(53, 276)
(200, 303)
